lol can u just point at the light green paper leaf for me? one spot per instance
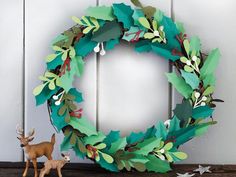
(179, 84)
(144, 22)
(186, 46)
(157, 165)
(83, 126)
(158, 16)
(180, 155)
(209, 80)
(209, 90)
(147, 146)
(124, 14)
(202, 130)
(101, 12)
(37, 90)
(191, 79)
(50, 57)
(211, 63)
(97, 138)
(107, 158)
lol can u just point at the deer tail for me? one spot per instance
(53, 139)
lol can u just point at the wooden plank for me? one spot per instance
(214, 22)
(81, 170)
(133, 92)
(11, 74)
(44, 21)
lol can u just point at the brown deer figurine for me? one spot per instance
(32, 152)
(55, 164)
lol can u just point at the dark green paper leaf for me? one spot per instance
(202, 112)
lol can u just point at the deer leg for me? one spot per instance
(59, 172)
(35, 168)
(26, 168)
(42, 172)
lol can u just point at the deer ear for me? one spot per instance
(18, 138)
(63, 155)
(31, 139)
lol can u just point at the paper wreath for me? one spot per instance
(150, 31)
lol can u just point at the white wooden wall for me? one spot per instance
(130, 89)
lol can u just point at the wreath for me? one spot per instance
(149, 30)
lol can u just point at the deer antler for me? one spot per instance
(19, 130)
(31, 133)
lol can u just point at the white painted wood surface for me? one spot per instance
(133, 91)
(214, 21)
(11, 75)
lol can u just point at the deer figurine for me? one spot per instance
(32, 152)
(55, 164)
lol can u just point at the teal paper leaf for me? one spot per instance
(111, 44)
(174, 124)
(183, 111)
(147, 146)
(65, 145)
(202, 112)
(150, 132)
(157, 165)
(83, 126)
(111, 30)
(179, 84)
(124, 14)
(143, 46)
(78, 95)
(161, 131)
(111, 137)
(85, 46)
(167, 54)
(135, 137)
(211, 63)
(191, 79)
(101, 12)
(54, 63)
(45, 95)
(134, 34)
(136, 15)
(108, 166)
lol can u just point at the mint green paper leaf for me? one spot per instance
(118, 145)
(211, 63)
(209, 80)
(94, 138)
(147, 146)
(183, 111)
(83, 126)
(174, 124)
(202, 130)
(133, 35)
(179, 84)
(195, 44)
(158, 16)
(161, 131)
(157, 165)
(191, 79)
(111, 44)
(124, 14)
(100, 12)
(202, 112)
(85, 46)
(180, 27)
(111, 30)
(167, 54)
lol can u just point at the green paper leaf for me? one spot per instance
(97, 138)
(180, 27)
(209, 80)
(183, 111)
(137, 3)
(124, 14)
(149, 11)
(83, 126)
(179, 84)
(186, 46)
(157, 165)
(202, 112)
(201, 131)
(191, 79)
(136, 15)
(211, 63)
(158, 16)
(109, 166)
(134, 34)
(174, 124)
(147, 146)
(85, 46)
(111, 137)
(119, 144)
(101, 12)
(111, 30)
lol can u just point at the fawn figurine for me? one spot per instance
(55, 164)
(32, 152)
